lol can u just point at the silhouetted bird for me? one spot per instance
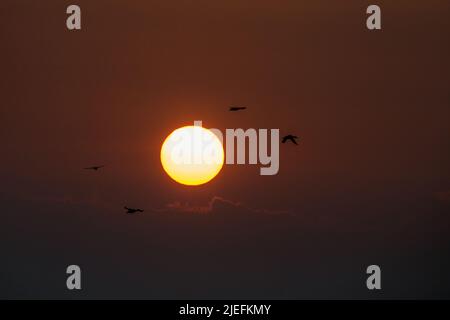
(94, 168)
(131, 210)
(237, 108)
(289, 137)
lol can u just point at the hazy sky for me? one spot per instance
(368, 184)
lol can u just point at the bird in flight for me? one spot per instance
(237, 108)
(131, 210)
(93, 168)
(289, 137)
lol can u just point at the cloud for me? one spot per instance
(209, 207)
(215, 205)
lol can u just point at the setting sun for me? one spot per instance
(192, 155)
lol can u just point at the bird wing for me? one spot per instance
(93, 167)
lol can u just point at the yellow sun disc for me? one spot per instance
(192, 155)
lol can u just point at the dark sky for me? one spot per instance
(368, 184)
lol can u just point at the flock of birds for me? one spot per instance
(285, 139)
(130, 211)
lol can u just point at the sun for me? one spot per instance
(192, 155)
